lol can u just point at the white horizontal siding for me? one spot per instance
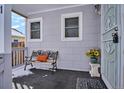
(71, 54)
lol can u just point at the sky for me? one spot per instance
(18, 22)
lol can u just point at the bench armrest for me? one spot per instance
(27, 58)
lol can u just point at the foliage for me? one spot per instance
(93, 53)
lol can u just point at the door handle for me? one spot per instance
(115, 35)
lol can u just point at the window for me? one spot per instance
(35, 29)
(71, 27)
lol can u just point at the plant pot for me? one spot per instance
(93, 60)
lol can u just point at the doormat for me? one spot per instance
(87, 83)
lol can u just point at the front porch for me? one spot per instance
(40, 77)
(34, 78)
(72, 30)
(72, 62)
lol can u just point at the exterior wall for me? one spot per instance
(71, 53)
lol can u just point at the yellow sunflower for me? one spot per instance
(96, 53)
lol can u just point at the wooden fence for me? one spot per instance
(18, 56)
(18, 44)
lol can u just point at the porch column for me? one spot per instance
(5, 46)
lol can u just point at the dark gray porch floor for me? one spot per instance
(44, 79)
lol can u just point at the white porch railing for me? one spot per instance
(18, 56)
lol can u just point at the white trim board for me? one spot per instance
(70, 15)
(83, 69)
(54, 9)
(40, 19)
(2, 47)
(108, 85)
(122, 46)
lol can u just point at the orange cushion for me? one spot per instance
(42, 58)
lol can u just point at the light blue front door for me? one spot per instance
(110, 50)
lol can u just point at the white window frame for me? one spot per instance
(63, 16)
(29, 21)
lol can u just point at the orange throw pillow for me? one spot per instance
(42, 58)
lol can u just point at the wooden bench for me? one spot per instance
(52, 58)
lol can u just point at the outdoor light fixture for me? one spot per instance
(97, 9)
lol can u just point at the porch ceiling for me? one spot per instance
(28, 9)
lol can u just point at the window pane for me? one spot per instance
(35, 30)
(71, 32)
(35, 34)
(35, 25)
(70, 22)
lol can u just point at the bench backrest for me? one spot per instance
(51, 54)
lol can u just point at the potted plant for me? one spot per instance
(93, 54)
